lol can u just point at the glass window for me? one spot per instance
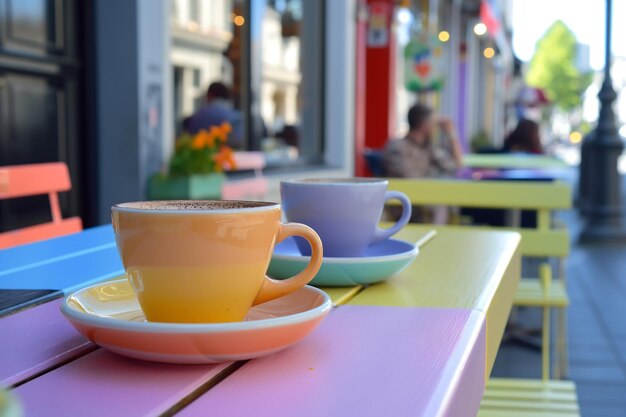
(194, 11)
(254, 47)
(291, 82)
(196, 78)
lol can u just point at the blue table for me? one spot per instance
(35, 273)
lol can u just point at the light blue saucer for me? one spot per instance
(379, 262)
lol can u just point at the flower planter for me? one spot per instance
(192, 187)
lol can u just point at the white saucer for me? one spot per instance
(110, 316)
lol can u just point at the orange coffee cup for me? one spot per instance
(205, 261)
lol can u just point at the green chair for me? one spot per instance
(512, 161)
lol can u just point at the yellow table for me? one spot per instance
(477, 270)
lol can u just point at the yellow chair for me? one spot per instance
(529, 398)
(508, 397)
(519, 397)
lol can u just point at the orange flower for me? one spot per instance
(207, 138)
(197, 142)
(215, 132)
(218, 133)
(225, 157)
(226, 128)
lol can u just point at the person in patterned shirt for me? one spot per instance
(422, 154)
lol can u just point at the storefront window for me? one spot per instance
(255, 48)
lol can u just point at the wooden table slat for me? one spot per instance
(52, 250)
(341, 295)
(35, 340)
(459, 269)
(69, 274)
(364, 361)
(102, 384)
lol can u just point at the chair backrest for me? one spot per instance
(374, 159)
(247, 188)
(28, 180)
(254, 161)
(541, 197)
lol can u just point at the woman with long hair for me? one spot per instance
(525, 138)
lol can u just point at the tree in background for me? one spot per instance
(553, 68)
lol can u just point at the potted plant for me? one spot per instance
(196, 167)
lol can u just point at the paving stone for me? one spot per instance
(606, 410)
(586, 356)
(597, 372)
(601, 393)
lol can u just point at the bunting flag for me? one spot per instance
(489, 16)
(423, 64)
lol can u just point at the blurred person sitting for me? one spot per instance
(217, 110)
(290, 136)
(417, 155)
(524, 138)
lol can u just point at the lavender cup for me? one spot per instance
(344, 212)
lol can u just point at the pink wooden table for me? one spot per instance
(364, 360)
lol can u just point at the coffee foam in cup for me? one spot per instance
(193, 205)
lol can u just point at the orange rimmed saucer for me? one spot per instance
(110, 316)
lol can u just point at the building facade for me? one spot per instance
(315, 81)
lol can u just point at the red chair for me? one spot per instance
(28, 180)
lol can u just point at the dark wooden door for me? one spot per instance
(39, 91)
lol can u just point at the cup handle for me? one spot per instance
(382, 234)
(271, 288)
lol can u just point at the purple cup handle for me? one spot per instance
(382, 234)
